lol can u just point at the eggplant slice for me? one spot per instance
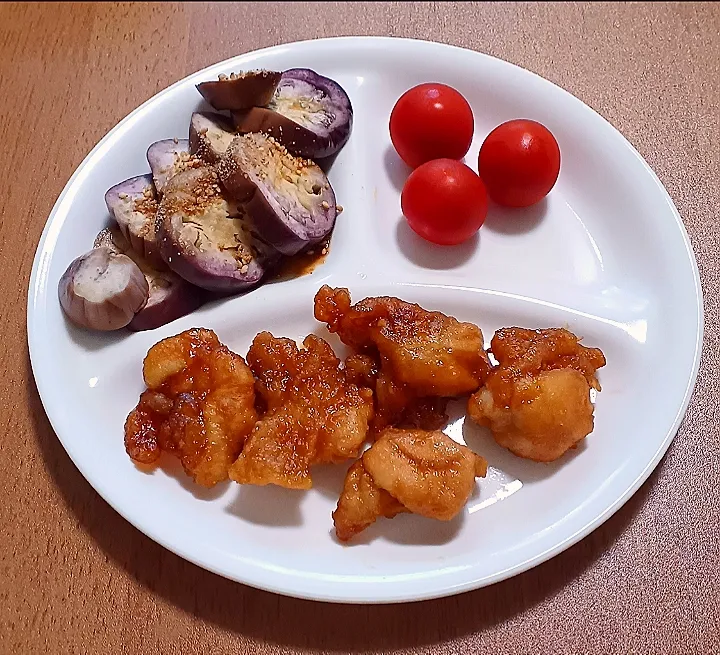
(102, 290)
(210, 136)
(167, 158)
(169, 296)
(133, 205)
(289, 199)
(311, 115)
(206, 238)
(240, 90)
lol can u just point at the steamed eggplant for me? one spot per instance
(168, 157)
(102, 290)
(210, 136)
(311, 115)
(169, 296)
(133, 205)
(206, 238)
(240, 90)
(289, 199)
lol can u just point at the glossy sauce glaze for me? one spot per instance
(304, 263)
(521, 352)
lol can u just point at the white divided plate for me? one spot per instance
(605, 254)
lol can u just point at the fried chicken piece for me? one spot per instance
(362, 370)
(423, 356)
(536, 402)
(424, 472)
(314, 415)
(361, 503)
(521, 351)
(428, 472)
(434, 354)
(425, 414)
(199, 406)
(397, 405)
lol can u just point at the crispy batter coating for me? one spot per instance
(424, 472)
(521, 351)
(427, 471)
(422, 354)
(434, 354)
(362, 370)
(314, 415)
(536, 401)
(398, 405)
(199, 406)
(361, 503)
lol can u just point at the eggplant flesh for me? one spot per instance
(133, 205)
(289, 199)
(102, 290)
(311, 115)
(167, 158)
(169, 296)
(210, 136)
(206, 238)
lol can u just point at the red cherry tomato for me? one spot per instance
(431, 121)
(519, 162)
(444, 201)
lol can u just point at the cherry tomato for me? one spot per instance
(444, 201)
(431, 121)
(519, 162)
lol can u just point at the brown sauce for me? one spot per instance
(304, 263)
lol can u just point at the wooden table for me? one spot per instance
(76, 578)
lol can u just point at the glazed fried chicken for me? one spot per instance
(314, 415)
(199, 406)
(398, 403)
(361, 503)
(536, 402)
(421, 354)
(424, 472)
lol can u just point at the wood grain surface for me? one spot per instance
(76, 578)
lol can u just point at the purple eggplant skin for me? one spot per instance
(169, 296)
(206, 239)
(102, 290)
(288, 221)
(210, 136)
(240, 91)
(310, 114)
(166, 158)
(166, 304)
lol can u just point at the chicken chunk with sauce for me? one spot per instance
(423, 472)
(199, 406)
(314, 414)
(422, 354)
(536, 402)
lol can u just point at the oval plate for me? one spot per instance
(605, 254)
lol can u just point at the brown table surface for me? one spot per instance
(77, 578)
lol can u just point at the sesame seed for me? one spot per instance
(325, 204)
(175, 139)
(339, 209)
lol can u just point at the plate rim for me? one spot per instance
(39, 272)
